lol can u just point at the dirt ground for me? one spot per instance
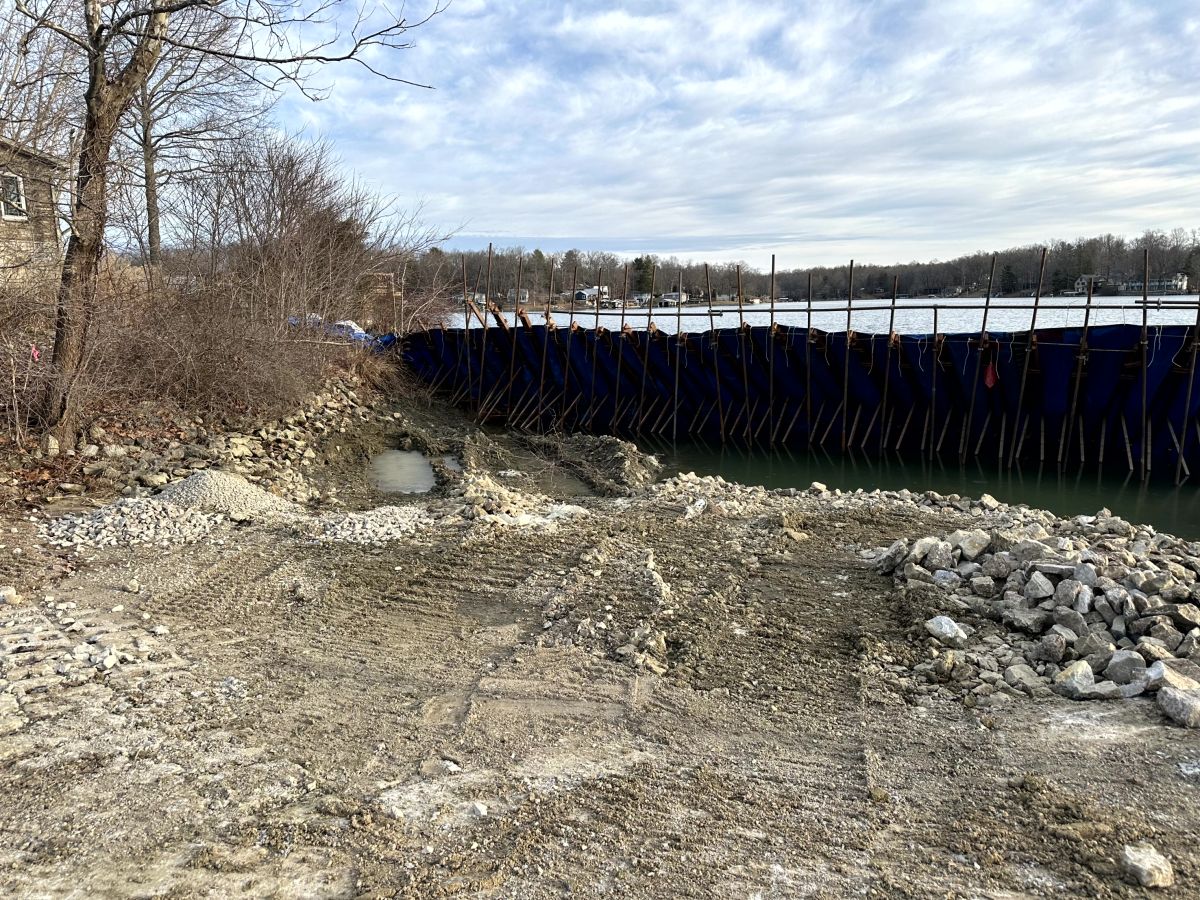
(296, 719)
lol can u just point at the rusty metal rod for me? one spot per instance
(1187, 404)
(1037, 298)
(983, 342)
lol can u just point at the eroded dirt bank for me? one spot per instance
(511, 688)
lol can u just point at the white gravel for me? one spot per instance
(129, 522)
(376, 526)
(223, 492)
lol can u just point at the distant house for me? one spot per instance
(29, 239)
(1173, 284)
(1081, 283)
(522, 299)
(641, 299)
(588, 295)
(673, 298)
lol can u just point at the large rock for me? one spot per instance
(1125, 666)
(1146, 866)
(1168, 634)
(972, 542)
(913, 572)
(1181, 707)
(1181, 674)
(983, 586)
(1038, 587)
(1074, 679)
(1066, 592)
(1051, 648)
(1031, 621)
(1153, 649)
(1024, 678)
(1069, 618)
(887, 561)
(947, 631)
(940, 556)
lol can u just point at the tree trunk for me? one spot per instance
(81, 267)
(150, 171)
(106, 100)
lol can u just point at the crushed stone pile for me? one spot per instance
(182, 513)
(224, 492)
(479, 500)
(376, 526)
(1099, 610)
(147, 521)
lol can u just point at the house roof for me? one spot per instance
(7, 146)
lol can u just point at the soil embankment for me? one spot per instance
(551, 676)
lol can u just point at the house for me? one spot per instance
(673, 298)
(29, 238)
(1172, 284)
(588, 295)
(520, 300)
(1081, 284)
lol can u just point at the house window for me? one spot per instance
(12, 196)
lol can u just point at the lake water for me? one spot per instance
(1167, 508)
(912, 316)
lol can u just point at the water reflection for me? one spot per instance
(402, 472)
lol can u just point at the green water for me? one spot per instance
(1158, 503)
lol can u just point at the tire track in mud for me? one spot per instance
(748, 763)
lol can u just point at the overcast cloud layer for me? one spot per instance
(887, 130)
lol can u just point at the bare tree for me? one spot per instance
(119, 44)
(192, 101)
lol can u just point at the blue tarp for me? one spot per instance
(786, 386)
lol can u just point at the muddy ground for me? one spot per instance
(434, 717)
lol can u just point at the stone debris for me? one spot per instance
(1146, 866)
(1091, 608)
(376, 526)
(130, 522)
(477, 499)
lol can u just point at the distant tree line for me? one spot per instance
(1112, 259)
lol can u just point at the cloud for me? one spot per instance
(818, 130)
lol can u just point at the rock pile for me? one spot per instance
(477, 499)
(224, 492)
(274, 456)
(182, 513)
(129, 522)
(376, 526)
(1101, 610)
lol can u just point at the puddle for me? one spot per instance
(402, 472)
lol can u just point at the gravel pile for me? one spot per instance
(223, 492)
(1100, 610)
(131, 522)
(479, 500)
(695, 495)
(376, 526)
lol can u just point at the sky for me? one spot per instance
(817, 130)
